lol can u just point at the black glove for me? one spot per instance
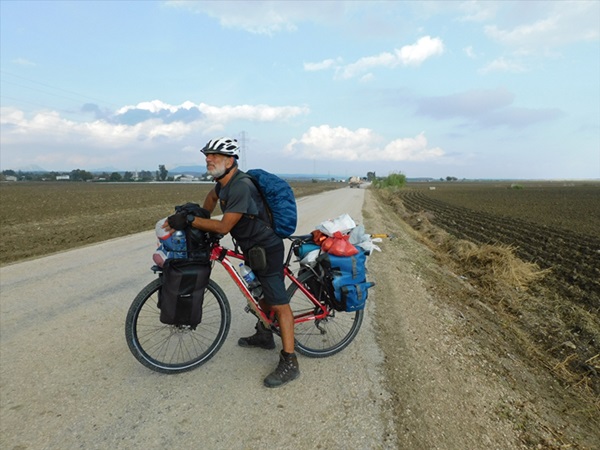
(193, 208)
(178, 221)
(204, 213)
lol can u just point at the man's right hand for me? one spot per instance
(178, 221)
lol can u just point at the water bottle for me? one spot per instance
(251, 280)
(179, 244)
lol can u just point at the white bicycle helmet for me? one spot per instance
(223, 146)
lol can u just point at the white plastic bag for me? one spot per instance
(310, 258)
(368, 246)
(161, 233)
(164, 250)
(357, 235)
(359, 238)
(343, 224)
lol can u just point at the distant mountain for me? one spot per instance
(31, 168)
(187, 170)
(105, 170)
(304, 176)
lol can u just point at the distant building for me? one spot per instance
(184, 178)
(63, 177)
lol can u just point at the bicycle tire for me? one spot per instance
(174, 349)
(326, 337)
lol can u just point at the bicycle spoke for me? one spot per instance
(171, 348)
(320, 337)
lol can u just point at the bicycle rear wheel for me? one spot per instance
(171, 348)
(324, 337)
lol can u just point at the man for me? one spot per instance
(245, 217)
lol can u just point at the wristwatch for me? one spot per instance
(190, 218)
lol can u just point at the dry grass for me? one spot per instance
(493, 265)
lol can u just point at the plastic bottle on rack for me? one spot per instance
(251, 280)
(179, 244)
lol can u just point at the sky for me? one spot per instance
(468, 89)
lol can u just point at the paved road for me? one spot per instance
(68, 380)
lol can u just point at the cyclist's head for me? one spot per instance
(222, 146)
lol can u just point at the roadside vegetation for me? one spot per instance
(392, 181)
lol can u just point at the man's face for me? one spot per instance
(216, 164)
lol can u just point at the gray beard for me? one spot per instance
(216, 173)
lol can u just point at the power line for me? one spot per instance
(56, 88)
(243, 149)
(40, 90)
(19, 100)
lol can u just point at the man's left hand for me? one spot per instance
(178, 221)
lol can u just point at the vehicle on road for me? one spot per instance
(354, 182)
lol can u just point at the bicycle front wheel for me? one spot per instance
(172, 348)
(322, 337)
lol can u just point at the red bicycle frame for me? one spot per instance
(221, 254)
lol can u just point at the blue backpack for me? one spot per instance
(279, 200)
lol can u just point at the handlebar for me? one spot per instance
(213, 241)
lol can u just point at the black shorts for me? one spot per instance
(271, 278)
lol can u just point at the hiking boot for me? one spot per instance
(263, 338)
(286, 371)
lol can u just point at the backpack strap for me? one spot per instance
(251, 182)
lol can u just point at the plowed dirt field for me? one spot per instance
(556, 227)
(41, 218)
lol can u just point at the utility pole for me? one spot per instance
(243, 150)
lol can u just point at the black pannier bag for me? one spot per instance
(181, 295)
(184, 281)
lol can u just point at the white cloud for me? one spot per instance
(477, 11)
(503, 65)
(338, 143)
(266, 17)
(323, 65)
(564, 23)
(155, 106)
(470, 52)
(259, 113)
(423, 49)
(365, 64)
(147, 123)
(24, 62)
(409, 55)
(411, 149)
(47, 127)
(523, 34)
(190, 112)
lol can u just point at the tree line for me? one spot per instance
(162, 174)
